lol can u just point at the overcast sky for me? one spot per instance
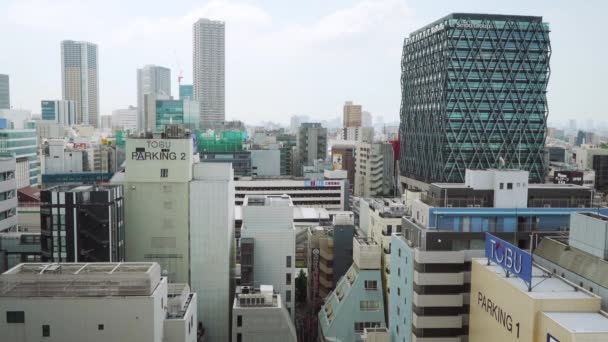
(283, 57)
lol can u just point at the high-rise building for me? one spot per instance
(311, 145)
(186, 92)
(59, 111)
(80, 79)
(124, 301)
(474, 96)
(447, 229)
(374, 170)
(8, 196)
(212, 245)
(154, 81)
(125, 119)
(5, 92)
(269, 230)
(209, 69)
(352, 116)
(156, 183)
(82, 224)
(23, 143)
(600, 165)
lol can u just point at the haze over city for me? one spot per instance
(282, 58)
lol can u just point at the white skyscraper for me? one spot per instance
(151, 80)
(79, 79)
(209, 71)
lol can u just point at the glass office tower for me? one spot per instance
(474, 96)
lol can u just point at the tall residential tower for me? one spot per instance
(154, 81)
(79, 79)
(209, 71)
(474, 97)
(5, 92)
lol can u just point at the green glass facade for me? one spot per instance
(474, 96)
(177, 112)
(22, 143)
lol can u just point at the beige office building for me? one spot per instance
(352, 115)
(502, 309)
(157, 184)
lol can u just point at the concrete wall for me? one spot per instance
(136, 319)
(156, 226)
(266, 162)
(589, 234)
(212, 245)
(263, 324)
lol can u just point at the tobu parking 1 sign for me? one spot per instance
(513, 260)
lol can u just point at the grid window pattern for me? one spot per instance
(473, 95)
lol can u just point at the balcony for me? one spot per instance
(325, 268)
(435, 339)
(435, 300)
(437, 322)
(439, 278)
(457, 202)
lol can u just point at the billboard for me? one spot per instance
(336, 160)
(568, 177)
(513, 260)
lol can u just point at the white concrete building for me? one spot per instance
(8, 193)
(583, 156)
(96, 302)
(259, 315)
(151, 80)
(358, 134)
(125, 118)
(80, 79)
(328, 194)
(212, 245)
(17, 117)
(208, 63)
(49, 130)
(374, 170)
(268, 225)
(57, 158)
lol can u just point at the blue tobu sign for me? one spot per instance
(512, 259)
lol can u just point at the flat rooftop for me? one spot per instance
(267, 201)
(580, 322)
(80, 279)
(544, 285)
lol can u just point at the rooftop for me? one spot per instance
(580, 322)
(268, 201)
(80, 279)
(544, 285)
(478, 16)
(248, 297)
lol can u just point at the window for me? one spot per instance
(164, 173)
(359, 326)
(399, 251)
(288, 261)
(239, 321)
(398, 311)
(509, 186)
(46, 330)
(100, 326)
(399, 271)
(501, 186)
(371, 285)
(398, 291)
(15, 317)
(239, 337)
(369, 305)
(288, 296)
(288, 279)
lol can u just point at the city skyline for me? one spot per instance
(310, 62)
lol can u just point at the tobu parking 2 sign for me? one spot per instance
(513, 260)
